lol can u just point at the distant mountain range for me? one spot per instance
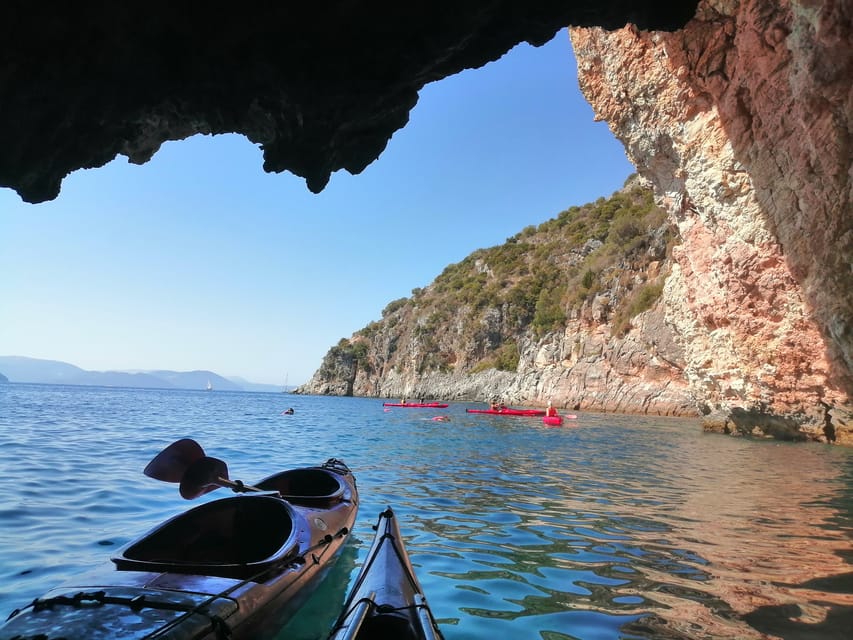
(22, 369)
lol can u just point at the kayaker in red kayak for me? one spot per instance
(551, 411)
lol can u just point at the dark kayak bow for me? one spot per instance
(387, 600)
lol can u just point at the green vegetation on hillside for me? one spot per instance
(534, 273)
(533, 283)
(355, 352)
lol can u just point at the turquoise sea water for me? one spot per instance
(614, 527)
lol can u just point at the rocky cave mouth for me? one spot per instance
(319, 89)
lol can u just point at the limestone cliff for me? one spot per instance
(569, 312)
(742, 122)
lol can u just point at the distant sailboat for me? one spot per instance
(209, 386)
(284, 390)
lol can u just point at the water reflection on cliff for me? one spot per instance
(726, 539)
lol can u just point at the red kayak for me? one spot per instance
(552, 421)
(417, 405)
(509, 412)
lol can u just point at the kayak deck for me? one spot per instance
(509, 412)
(387, 600)
(417, 405)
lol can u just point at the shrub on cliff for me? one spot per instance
(640, 300)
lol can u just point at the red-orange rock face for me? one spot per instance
(742, 121)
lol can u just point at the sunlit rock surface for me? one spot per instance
(742, 121)
(590, 361)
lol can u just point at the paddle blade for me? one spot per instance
(203, 476)
(171, 463)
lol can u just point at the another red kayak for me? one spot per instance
(417, 405)
(509, 412)
(556, 421)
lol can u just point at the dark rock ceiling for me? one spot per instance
(319, 86)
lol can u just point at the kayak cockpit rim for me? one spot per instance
(237, 537)
(310, 486)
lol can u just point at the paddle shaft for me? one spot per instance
(237, 485)
(240, 487)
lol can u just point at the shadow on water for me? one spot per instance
(787, 621)
(318, 614)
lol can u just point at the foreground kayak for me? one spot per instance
(509, 412)
(387, 600)
(237, 567)
(417, 405)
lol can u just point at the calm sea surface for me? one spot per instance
(615, 527)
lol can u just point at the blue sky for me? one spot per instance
(201, 260)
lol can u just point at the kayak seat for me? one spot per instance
(235, 537)
(312, 487)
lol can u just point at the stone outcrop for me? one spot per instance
(441, 344)
(742, 121)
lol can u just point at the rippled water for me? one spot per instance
(618, 527)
